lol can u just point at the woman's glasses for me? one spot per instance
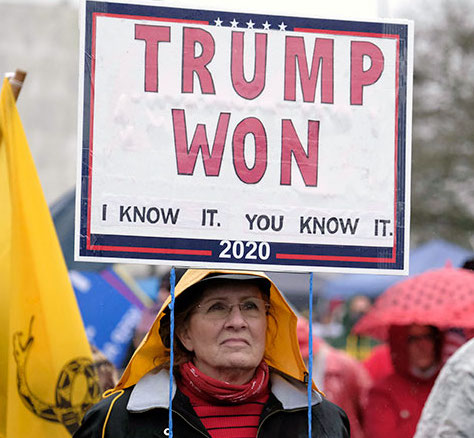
(412, 339)
(249, 308)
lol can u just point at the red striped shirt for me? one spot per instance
(228, 420)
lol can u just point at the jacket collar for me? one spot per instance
(152, 391)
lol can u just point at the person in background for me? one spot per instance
(237, 369)
(106, 371)
(449, 410)
(341, 377)
(357, 346)
(379, 363)
(395, 402)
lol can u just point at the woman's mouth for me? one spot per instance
(235, 341)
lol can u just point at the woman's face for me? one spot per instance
(421, 347)
(227, 341)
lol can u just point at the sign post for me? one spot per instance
(242, 140)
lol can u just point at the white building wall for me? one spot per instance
(43, 40)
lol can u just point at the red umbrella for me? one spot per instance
(443, 298)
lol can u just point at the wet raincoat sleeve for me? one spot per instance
(449, 410)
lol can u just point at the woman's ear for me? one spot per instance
(183, 335)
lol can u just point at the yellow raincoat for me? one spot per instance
(281, 351)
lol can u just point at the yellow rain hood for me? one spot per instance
(281, 352)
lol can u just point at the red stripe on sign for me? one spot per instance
(333, 258)
(151, 250)
(208, 252)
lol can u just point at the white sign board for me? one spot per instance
(230, 139)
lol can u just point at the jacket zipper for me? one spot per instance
(259, 426)
(188, 423)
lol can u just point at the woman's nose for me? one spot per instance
(235, 317)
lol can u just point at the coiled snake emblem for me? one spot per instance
(63, 411)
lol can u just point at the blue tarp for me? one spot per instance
(149, 285)
(109, 310)
(434, 254)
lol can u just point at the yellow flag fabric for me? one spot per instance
(46, 375)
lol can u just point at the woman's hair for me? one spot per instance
(187, 301)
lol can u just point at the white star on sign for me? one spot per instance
(218, 22)
(266, 25)
(282, 26)
(233, 23)
(250, 24)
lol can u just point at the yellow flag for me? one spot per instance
(46, 376)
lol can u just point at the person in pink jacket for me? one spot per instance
(395, 402)
(342, 378)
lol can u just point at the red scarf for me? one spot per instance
(212, 390)
(225, 410)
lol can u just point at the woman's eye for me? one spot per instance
(216, 307)
(249, 305)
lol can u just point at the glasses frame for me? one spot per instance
(231, 307)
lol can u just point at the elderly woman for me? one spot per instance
(238, 371)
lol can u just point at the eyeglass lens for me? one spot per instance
(250, 308)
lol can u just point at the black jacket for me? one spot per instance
(328, 420)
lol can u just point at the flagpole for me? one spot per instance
(16, 81)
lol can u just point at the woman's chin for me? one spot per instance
(241, 361)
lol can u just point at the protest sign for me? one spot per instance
(243, 140)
